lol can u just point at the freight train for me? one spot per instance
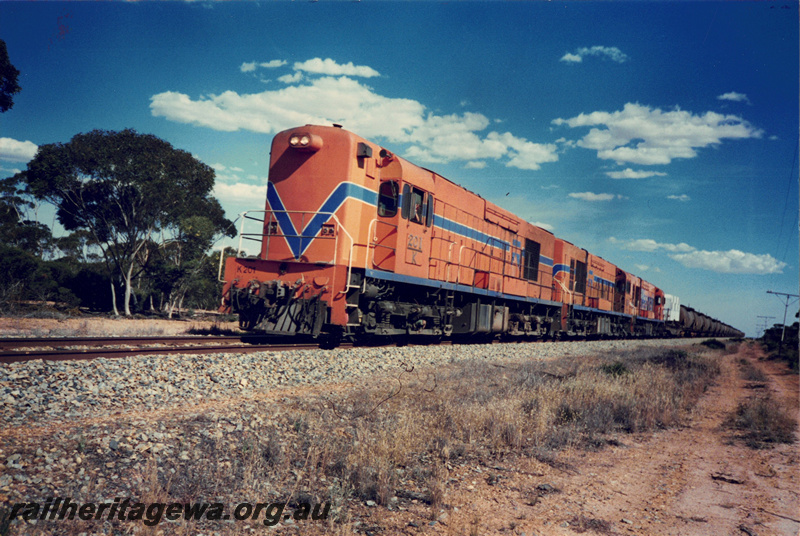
(357, 243)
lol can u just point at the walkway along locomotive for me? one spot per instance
(357, 242)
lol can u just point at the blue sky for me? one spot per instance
(661, 136)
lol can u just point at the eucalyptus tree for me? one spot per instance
(128, 190)
(8, 79)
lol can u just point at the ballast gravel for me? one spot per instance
(41, 391)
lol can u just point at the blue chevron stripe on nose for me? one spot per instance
(298, 242)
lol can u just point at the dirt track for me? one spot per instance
(695, 480)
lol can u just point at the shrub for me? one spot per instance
(714, 344)
(617, 368)
(762, 422)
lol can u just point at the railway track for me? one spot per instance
(14, 350)
(68, 348)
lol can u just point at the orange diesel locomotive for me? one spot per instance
(356, 242)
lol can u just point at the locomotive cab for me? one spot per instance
(322, 184)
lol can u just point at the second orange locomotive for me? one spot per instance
(358, 242)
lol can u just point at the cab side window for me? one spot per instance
(580, 277)
(417, 212)
(387, 199)
(416, 205)
(531, 265)
(429, 211)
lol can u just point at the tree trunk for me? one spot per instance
(114, 298)
(170, 304)
(128, 288)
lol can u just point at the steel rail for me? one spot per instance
(83, 348)
(59, 342)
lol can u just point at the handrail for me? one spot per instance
(450, 262)
(571, 297)
(267, 233)
(460, 266)
(219, 271)
(242, 215)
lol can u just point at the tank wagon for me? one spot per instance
(356, 242)
(691, 323)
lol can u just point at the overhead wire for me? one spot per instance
(791, 179)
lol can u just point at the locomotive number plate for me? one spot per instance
(414, 246)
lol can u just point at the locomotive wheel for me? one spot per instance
(247, 322)
(330, 340)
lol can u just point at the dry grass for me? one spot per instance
(752, 373)
(402, 438)
(581, 524)
(398, 439)
(714, 344)
(115, 327)
(762, 422)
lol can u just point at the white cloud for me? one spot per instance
(543, 225)
(441, 138)
(612, 53)
(571, 58)
(648, 244)
(10, 171)
(344, 100)
(331, 68)
(17, 151)
(682, 197)
(249, 67)
(731, 262)
(525, 154)
(239, 192)
(589, 196)
(291, 78)
(475, 164)
(728, 262)
(648, 268)
(642, 135)
(733, 96)
(273, 64)
(230, 174)
(631, 174)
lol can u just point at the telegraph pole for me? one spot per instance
(786, 298)
(763, 327)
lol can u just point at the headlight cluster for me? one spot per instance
(299, 141)
(308, 142)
